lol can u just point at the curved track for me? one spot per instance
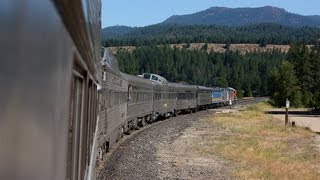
(164, 150)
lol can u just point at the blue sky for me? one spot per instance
(146, 12)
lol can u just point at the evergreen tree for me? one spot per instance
(299, 56)
(244, 72)
(285, 85)
(315, 64)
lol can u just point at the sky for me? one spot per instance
(146, 12)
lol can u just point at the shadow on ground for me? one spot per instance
(296, 113)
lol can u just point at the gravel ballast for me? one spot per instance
(169, 149)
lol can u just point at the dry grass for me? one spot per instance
(263, 148)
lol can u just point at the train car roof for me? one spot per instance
(232, 89)
(218, 88)
(136, 79)
(184, 86)
(154, 77)
(205, 88)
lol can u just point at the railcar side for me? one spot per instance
(158, 102)
(48, 93)
(218, 96)
(113, 109)
(187, 97)
(169, 99)
(204, 100)
(140, 101)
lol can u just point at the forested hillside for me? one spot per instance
(297, 78)
(262, 34)
(247, 73)
(240, 48)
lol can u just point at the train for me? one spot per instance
(64, 101)
(128, 102)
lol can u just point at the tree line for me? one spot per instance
(247, 73)
(174, 34)
(297, 78)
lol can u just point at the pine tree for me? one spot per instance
(315, 63)
(299, 57)
(285, 85)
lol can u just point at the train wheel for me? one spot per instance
(120, 134)
(127, 129)
(143, 121)
(136, 124)
(174, 113)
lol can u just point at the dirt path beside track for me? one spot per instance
(302, 117)
(169, 150)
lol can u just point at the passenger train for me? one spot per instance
(62, 107)
(128, 102)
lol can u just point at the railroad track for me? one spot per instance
(137, 155)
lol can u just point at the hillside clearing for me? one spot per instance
(219, 48)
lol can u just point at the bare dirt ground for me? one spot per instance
(182, 158)
(302, 117)
(168, 150)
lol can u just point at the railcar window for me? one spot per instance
(129, 96)
(119, 98)
(138, 97)
(116, 103)
(154, 78)
(76, 107)
(146, 76)
(124, 98)
(88, 124)
(112, 98)
(141, 96)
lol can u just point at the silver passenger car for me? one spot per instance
(48, 74)
(140, 101)
(169, 99)
(187, 97)
(204, 97)
(113, 104)
(158, 103)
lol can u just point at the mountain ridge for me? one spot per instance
(244, 16)
(264, 25)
